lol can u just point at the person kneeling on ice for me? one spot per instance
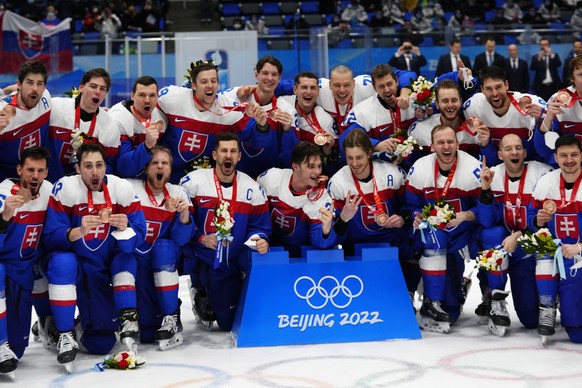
(93, 224)
(167, 209)
(447, 178)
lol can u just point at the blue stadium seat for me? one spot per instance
(499, 3)
(230, 9)
(270, 8)
(489, 15)
(345, 43)
(93, 35)
(288, 7)
(309, 7)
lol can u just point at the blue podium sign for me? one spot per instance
(324, 298)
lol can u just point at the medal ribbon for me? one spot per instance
(145, 122)
(575, 97)
(77, 126)
(395, 115)
(219, 237)
(273, 101)
(14, 103)
(465, 127)
(236, 108)
(516, 104)
(339, 117)
(514, 209)
(314, 193)
(378, 209)
(563, 191)
(106, 196)
(311, 119)
(152, 197)
(448, 181)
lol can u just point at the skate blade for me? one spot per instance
(204, 325)
(68, 367)
(130, 344)
(10, 375)
(545, 340)
(482, 320)
(430, 324)
(171, 343)
(495, 329)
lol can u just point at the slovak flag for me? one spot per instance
(23, 39)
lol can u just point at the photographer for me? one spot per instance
(408, 57)
(545, 65)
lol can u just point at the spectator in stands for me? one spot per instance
(408, 57)
(517, 71)
(499, 20)
(338, 32)
(449, 62)
(460, 22)
(379, 20)
(392, 10)
(296, 24)
(108, 23)
(473, 10)
(237, 24)
(440, 31)
(533, 17)
(90, 19)
(410, 32)
(355, 14)
(545, 66)
(576, 52)
(488, 58)
(149, 17)
(51, 18)
(575, 22)
(550, 11)
(511, 12)
(256, 24)
(433, 10)
(422, 23)
(129, 20)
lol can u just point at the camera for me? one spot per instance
(407, 47)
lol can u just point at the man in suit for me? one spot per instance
(517, 71)
(489, 57)
(576, 51)
(545, 66)
(448, 62)
(408, 57)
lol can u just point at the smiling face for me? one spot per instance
(31, 89)
(386, 88)
(445, 146)
(91, 167)
(227, 154)
(145, 99)
(306, 91)
(449, 103)
(268, 78)
(342, 86)
(495, 91)
(206, 86)
(512, 153)
(569, 158)
(306, 174)
(32, 173)
(159, 170)
(93, 94)
(358, 161)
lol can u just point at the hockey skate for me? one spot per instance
(547, 323)
(203, 314)
(482, 310)
(129, 333)
(45, 331)
(67, 348)
(498, 317)
(169, 335)
(433, 317)
(8, 361)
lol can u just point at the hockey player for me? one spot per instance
(503, 112)
(555, 205)
(380, 115)
(564, 112)
(23, 207)
(197, 115)
(28, 125)
(170, 226)
(505, 194)
(219, 259)
(453, 176)
(369, 196)
(301, 209)
(79, 119)
(141, 125)
(281, 135)
(94, 222)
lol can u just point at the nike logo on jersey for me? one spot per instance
(177, 120)
(498, 195)
(17, 131)
(23, 216)
(428, 191)
(204, 200)
(61, 131)
(569, 125)
(81, 208)
(383, 129)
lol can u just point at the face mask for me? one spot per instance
(237, 26)
(51, 16)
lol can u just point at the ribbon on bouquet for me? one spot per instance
(428, 231)
(559, 260)
(222, 241)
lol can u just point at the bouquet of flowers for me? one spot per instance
(438, 214)
(223, 222)
(73, 93)
(123, 360)
(200, 163)
(540, 242)
(407, 144)
(490, 259)
(422, 94)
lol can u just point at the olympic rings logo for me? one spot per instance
(328, 290)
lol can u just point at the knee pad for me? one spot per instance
(98, 342)
(62, 268)
(165, 254)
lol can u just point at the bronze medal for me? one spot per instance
(25, 194)
(550, 206)
(159, 125)
(322, 178)
(170, 204)
(524, 102)
(382, 219)
(105, 214)
(563, 97)
(320, 139)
